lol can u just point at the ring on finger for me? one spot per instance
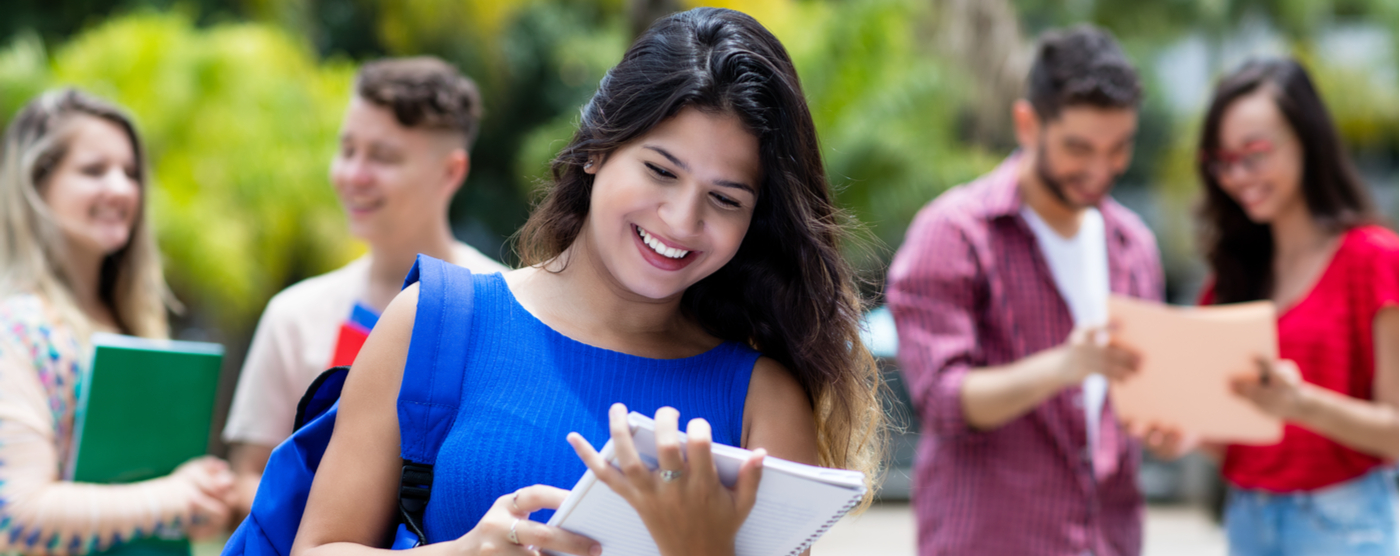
(510, 536)
(668, 475)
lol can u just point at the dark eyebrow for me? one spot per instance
(736, 185)
(670, 157)
(684, 166)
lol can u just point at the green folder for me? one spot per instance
(144, 407)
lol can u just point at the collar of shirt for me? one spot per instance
(1004, 201)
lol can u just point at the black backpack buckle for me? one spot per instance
(415, 486)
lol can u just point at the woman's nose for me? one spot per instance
(682, 212)
(118, 182)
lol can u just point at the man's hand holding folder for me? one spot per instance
(1096, 350)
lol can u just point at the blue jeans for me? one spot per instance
(1357, 517)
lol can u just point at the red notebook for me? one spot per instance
(353, 333)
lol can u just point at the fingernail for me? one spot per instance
(596, 550)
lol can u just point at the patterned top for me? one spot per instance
(40, 373)
(968, 289)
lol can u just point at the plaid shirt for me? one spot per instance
(970, 288)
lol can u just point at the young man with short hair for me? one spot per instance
(403, 153)
(1000, 297)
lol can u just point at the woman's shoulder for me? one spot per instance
(778, 415)
(1371, 241)
(28, 326)
(1368, 260)
(771, 377)
(777, 391)
(23, 313)
(1370, 251)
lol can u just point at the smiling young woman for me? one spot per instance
(686, 263)
(1290, 221)
(77, 256)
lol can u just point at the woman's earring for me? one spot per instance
(588, 165)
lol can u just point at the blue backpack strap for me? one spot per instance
(432, 379)
(323, 393)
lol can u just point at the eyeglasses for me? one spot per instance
(1248, 159)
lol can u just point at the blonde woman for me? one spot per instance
(77, 257)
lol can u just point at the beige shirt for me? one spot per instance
(294, 342)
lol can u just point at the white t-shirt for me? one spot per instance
(1080, 267)
(294, 343)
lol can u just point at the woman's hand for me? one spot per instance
(683, 504)
(507, 529)
(210, 484)
(1276, 388)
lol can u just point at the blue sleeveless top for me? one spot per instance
(527, 386)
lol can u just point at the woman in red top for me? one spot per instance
(1288, 220)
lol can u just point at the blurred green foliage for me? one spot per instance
(240, 122)
(886, 111)
(240, 102)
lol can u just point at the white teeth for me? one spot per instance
(660, 248)
(109, 213)
(1253, 195)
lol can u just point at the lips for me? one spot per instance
(108, 226)
(662, 254)
(110, 214)
(361, 206)
(1253, 196)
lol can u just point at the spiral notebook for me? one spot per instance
(796, 503)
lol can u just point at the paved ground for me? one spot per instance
(888, 530)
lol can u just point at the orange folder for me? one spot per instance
(1188, 357)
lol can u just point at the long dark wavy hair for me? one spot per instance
(1241, 251)
(788, 291)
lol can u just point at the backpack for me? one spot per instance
(427, 408)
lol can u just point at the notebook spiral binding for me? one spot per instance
(855, 501)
